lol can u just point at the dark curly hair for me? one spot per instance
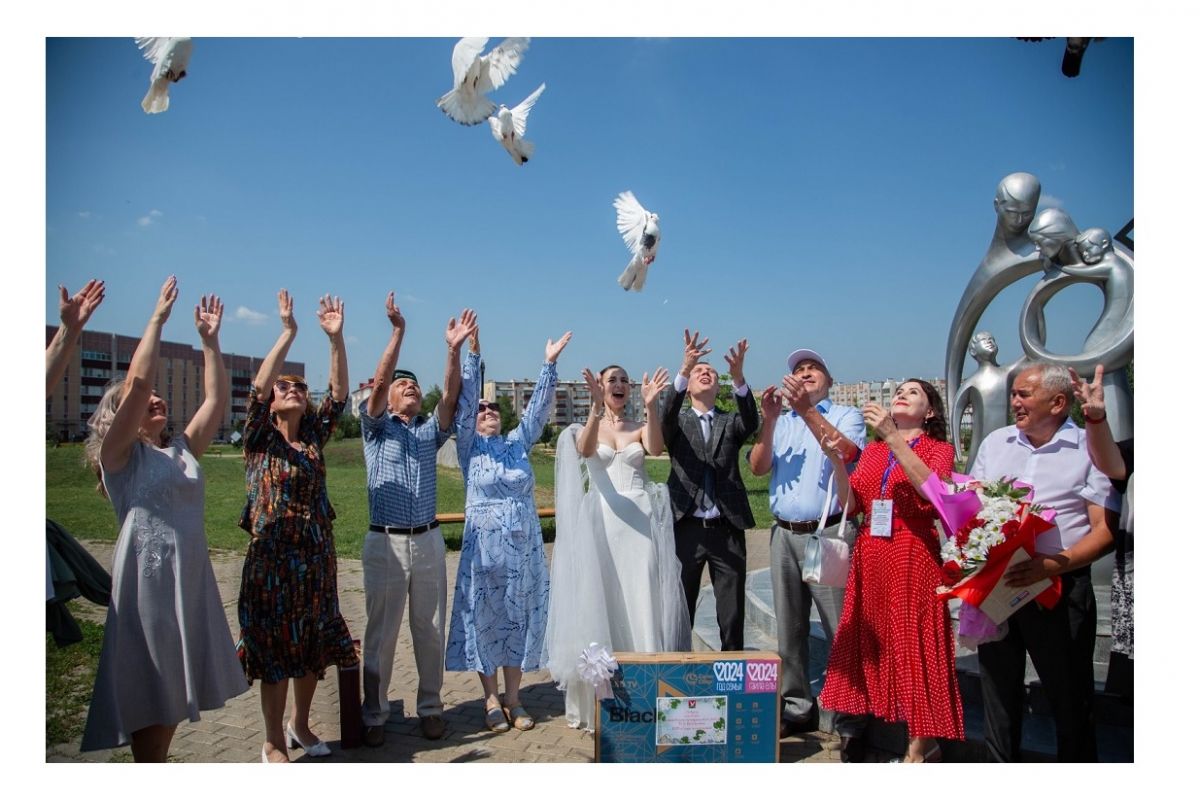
(935, 426)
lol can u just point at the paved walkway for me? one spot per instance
(235, 733)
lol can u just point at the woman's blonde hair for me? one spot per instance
(98, 425)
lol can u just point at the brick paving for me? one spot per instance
(235, 733)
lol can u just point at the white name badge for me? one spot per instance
(881, 518)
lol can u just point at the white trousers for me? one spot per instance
(396, 569)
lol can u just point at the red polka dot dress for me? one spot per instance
(893, 654)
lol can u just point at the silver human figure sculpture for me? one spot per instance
(986, 392)
(1091, 257)
(1010, 257)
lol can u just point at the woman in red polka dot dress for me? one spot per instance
(893, 654)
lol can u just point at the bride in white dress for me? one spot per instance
(614, 576)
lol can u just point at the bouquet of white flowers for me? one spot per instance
(989, 526)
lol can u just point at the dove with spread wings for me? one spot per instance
(474, 76)
(170, 56)
(640, 230)
(508, 126)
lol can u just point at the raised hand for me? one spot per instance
(331, 313)
(285, 310)
(594, 388)
(76, 310)
(457, 330)
(554, 348)
(393, 313)
(772, 403)
(879, 419)
(651, 387)
(693, 351)
(735, 358)
(166, 299)
(795, 394)
(1090, 395)
(832, 443)
(208, 316)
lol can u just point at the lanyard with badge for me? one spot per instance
(881, 510)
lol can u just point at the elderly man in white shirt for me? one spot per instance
(1047, 450)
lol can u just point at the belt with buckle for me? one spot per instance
(809, 525)
(393, 529)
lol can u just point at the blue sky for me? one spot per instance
(828, 193)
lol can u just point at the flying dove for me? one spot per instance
(170, 56)
(508, 126)
(474, 76)
(640, 230)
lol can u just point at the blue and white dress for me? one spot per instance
(502, 590)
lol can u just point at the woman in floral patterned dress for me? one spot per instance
(292, 627)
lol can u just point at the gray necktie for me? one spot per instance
(706, 502)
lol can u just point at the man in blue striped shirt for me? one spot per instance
(404, 555)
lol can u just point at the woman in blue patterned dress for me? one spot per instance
(502, 590)
(292, 625)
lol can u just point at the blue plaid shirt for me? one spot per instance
(401, 467)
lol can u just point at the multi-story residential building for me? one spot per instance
(862, 392)
(100, 358)
(572, 400)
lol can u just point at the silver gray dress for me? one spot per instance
(168, 653)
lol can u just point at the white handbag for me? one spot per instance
(827, 558)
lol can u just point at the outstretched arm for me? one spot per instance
(139, 383)
(207, 419)
(652, 435)
(73, 313)
(747, 408)
(588, 438)
(331, 314)
(537, 410)
(832, 445)
(269, 370)
(763, 451)
(377, 400)
(1101, 448)
(457, 332)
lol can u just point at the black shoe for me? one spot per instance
(373, 735)
(790, 727)
(433, 727)
(854, 750)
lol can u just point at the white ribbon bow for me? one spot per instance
(596, 667)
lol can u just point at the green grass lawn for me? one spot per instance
(70, 673)
(73, 502)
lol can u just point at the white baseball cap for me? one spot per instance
(806, 355)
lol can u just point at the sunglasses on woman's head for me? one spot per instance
(488, 407)
(283, 386)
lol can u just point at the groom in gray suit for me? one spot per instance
(709, 499)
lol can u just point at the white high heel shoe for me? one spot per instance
(267, 759)
(317, 750)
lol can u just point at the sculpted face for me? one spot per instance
(984, 345)
(1093, 244)
(1016, 200)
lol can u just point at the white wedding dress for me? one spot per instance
(614, 576)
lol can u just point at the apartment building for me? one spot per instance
(860, 393)
(100, 358)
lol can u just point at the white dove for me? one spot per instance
(640, 230)
(508, 126)
(170, 56)
(467, 103)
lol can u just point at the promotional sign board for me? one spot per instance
(691, 707)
